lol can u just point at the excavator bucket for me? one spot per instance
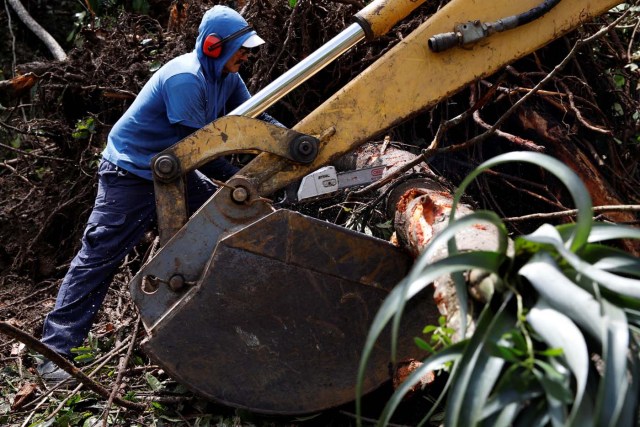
(277, 322)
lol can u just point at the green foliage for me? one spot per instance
(565, 299)
(42, 171)
(619, 80)
(16, 142)
(441, 336)
(140, 6)
(73, 412)
(84, 128)
(153, 382)
(84, 354)
(87, 353)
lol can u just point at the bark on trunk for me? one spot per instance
(601, 191)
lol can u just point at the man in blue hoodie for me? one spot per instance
(186, 94)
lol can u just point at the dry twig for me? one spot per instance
(63, 363)
(573, 212)
(122, 366)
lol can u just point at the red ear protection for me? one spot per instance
(212, 46)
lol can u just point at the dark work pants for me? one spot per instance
(124, 210)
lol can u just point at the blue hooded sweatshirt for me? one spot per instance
(190, 90)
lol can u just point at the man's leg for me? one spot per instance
(123, 211)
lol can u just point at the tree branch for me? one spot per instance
(51, 43)
(37, 346)
(572, 212)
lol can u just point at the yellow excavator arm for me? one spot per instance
(407, 80)
(250, 306)
(412, 77)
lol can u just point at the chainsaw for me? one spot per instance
(327, 182)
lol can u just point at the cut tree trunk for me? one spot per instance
(421, 209)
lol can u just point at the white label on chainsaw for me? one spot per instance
(318, 183)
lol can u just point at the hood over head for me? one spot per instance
(223, 21)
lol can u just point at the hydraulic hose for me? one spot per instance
(536, 12)
(471, 32)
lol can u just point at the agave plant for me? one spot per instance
(556, 344)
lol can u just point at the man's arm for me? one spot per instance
(267, 118)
